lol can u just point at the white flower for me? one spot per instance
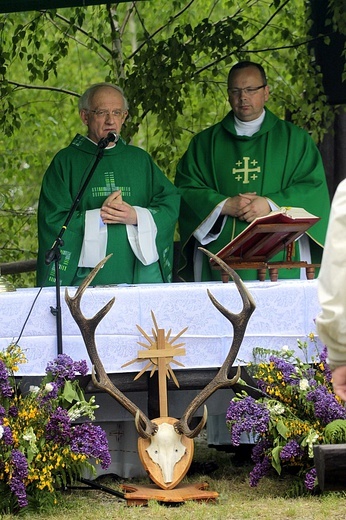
(285, 348)
(1, 431)
(309, 441)
(276, 408)
(29, 435)
(303, 384)
(83, 408)
(34, 389)
(49, 387)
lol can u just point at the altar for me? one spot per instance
(285, 312)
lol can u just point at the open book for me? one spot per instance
(266, 236)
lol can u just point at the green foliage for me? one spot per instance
(172, 61)
(335, 432)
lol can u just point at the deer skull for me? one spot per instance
(166, 449)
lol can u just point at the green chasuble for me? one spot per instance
(280, 162)
(142, 184)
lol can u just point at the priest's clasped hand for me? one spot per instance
(246, 206)
(255, 207)
(116, 211)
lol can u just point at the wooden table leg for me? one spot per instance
(224, 277)
(274, 274)
(310, 273)
(261, 274)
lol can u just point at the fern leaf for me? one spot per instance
(335, 432)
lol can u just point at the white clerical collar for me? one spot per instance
(248, 128)
(111, 145)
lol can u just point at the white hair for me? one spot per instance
(84, 100)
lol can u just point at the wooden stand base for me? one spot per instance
(139, 495)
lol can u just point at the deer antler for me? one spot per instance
(221, 380)
(145, 427)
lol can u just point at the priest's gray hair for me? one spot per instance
(85, 99)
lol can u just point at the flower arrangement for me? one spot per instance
(42, 448)
(296, 410)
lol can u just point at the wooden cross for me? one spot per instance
(160, 353)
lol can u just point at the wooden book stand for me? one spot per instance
(263, 239)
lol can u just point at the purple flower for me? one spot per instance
(59, 426)
(291, 450)
(327, 409)
(6, 389)
(246, 415)
(259, 450)
(81, 367)
(310, 479)
(288, 370)
(7, 436)
(323, 354)
(19, 474)
(92, 441)
(313, 383)
(260, 470)
(323, 358)
(13, 411)
(63, 368)
(309, 374)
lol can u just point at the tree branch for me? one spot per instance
(116, 40)
(73, 38)
(85, 33)
(245, 43)
(151, 36)
(41, 87)
(127, 17)
(257, 51)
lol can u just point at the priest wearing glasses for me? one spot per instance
(129, 207)
(244, 167)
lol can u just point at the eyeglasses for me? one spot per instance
(107, 113)
(248, 90)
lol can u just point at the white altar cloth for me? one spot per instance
(285, 311)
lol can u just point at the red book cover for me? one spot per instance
(266, 236)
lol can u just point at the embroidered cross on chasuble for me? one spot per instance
(244, 172)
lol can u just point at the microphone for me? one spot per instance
(112, 137)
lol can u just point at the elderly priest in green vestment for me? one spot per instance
(129, 207)
(244, 167)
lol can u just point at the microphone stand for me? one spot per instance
(54, 254)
